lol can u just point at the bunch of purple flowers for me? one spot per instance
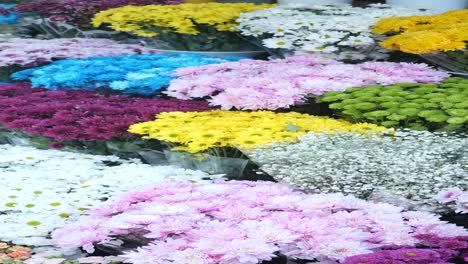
(79, 115)
(431, 250)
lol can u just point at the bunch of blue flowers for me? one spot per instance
(131, 74)
(6, 15)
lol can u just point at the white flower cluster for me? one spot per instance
(41, 190)
(407, 167)
(339, 31)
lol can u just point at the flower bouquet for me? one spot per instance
(142, 75)
(404, 167)
(274, 84)
(71, 18)
(247, 222)
(417, 106)
(63, 185)
(339, 31)
(80, 119)
(20, 53)
(208, 141)
(187, 27)
(441, 39)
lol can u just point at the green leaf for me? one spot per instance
(336, 106)
(428, 113)
(458, 112)
(376, 114)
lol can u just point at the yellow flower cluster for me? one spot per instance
(425, 34)
(148, 21)
(199, 131)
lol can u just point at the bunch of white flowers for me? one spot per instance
(42, 190)
(404, 167)
(339, 31)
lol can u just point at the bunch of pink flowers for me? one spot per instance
(34, 52)
(254, 84)
(248, 222)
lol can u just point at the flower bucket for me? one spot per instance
(445, 5)
(232, 167)
(312, 2)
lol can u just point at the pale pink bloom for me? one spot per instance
(341, 249)
(449, 195)
(191, 256)
(462, 203)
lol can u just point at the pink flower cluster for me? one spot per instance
(33, 52)
(248, 222)
(456, 198)
(254, 84)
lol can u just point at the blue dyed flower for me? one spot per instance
(132, 74)
(6, 15)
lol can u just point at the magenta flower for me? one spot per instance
(79, 115)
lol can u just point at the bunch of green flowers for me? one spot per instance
(441, 107)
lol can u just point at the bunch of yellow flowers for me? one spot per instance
(425, 34)
(150, 20)
(200, 131)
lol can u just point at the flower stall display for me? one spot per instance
(454, 197)
(430, 249)
(131, 74)
(42, 190)
(417, 106)
(255, 84)
(247, 222)
(6, 15)
(78, 12)
(188, 27)
(431, 4)
(404, 167)
(425, 34)
(201, 131)
(79, 115)
(339, 31)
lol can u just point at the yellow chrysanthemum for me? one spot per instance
(426, 34)
(182, 18)
(200, 131)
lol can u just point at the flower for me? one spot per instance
(425, 34)
(197, 132)
(79, 12)
(79, 115)
(330, 30)
(435, 107)
(34, 52)
(149, 20)
(455, 197)
(403, 167)
(131, 74)
(303, 221)
(42, 190)
(255, 84)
